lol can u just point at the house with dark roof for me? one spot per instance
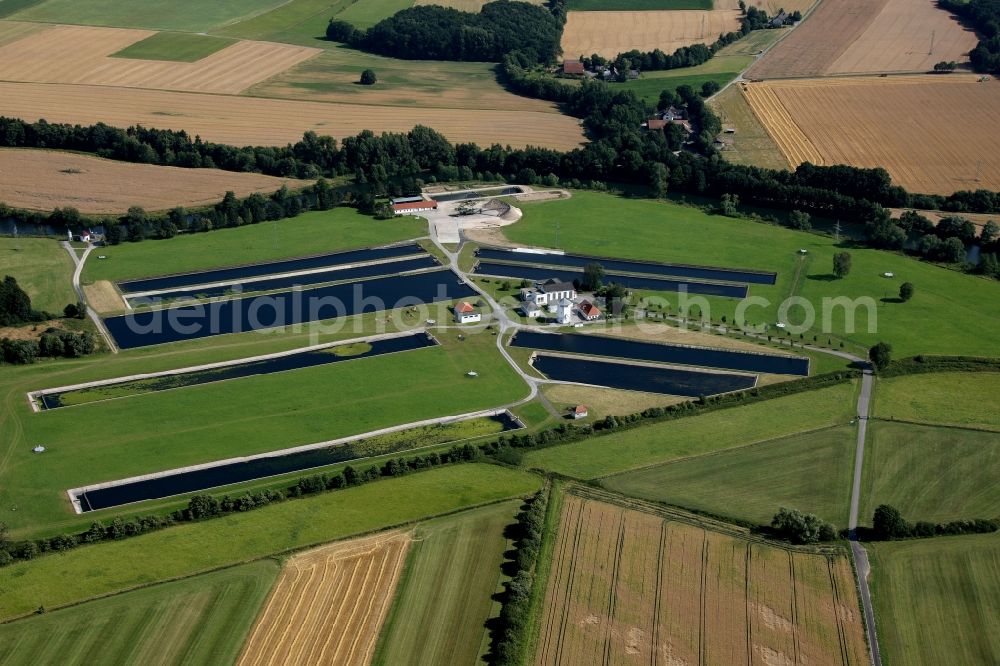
(549, 292)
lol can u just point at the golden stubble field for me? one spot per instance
(81, 54)
(328, 604)
(46, 179)
(611, 33)
(633, 587)
(933, 134)
(252, 121)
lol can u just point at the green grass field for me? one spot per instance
(311, 233)
(697, 435)
(182, 15)
(170, 429)
(42, 268)
(635, 5)
(198, 620)
(937, 601)
(176, 46)
(443, 598)
(948, 314)
(933, 474)
(366, 13)
(811, 472)
(949, 398)
(649, 85)
(297, 22)
(195, 547)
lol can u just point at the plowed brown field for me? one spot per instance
(819, 41)
(910, 125)
(907, 36)
(329, 604)
(46, 179)
(80, 54)
(631, 586)
(611, 33)
(243, 121)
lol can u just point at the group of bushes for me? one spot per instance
(16, 310)
(801, 528)
(888, 524)
(515, 614)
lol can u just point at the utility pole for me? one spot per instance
(979, 169)
(836, 231)
(931, 52)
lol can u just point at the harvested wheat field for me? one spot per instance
(907, 36)
(819, 41)
(638, 584)
(909, 125)
(611, 33)
(329, 604)
(81, 54)
(46, 179)
(244, 121)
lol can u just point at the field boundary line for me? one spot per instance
(276, 555)
(795, 608)
(613, 588)
(659, 591)
(747, 577)
(930, 424)
(702, 603)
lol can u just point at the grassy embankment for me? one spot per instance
(192, 548)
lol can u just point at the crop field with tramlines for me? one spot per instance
(856, 121)
(612, 32)
(633, 583)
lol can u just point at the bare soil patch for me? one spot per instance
(46, 179)
(244, 120)
(328, 604)
(80, 54)
(611, 33)
(895, 123)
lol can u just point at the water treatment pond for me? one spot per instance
(274, 284)
(253, 313)
(627, 266)
(296, 361)
(669, 381)
(251, 470)
(663, 353)
(628, 281)
(271, 268)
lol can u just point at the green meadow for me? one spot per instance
(311, 233)
(176, 46)
(948, 315)
(970, 399)
(181, 15)
(190, 548)
(937, 601)
(42, 268)
(811, 472)
(691, 436)
(198, 620)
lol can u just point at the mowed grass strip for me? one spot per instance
(42, 268)
(198, 620)
(811, 472)
(929, 473)
(691, 436)
(948, 398)
(445, 595)
(174, 46)
(186, 549)
(198, 424)
(937, 601)
(948, 314)
(182, 15)
(315, 232)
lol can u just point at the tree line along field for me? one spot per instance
(628, 582)
(445, 595)
(634, 449)
(46, 179)
(855, 121)
(328, 604)
(609, 33)
(960, 306)
(191, 548)
(195, 620)
(938, 600)
(810, 471)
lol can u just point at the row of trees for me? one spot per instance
(984, 16)
(888, 524)
(432, 32)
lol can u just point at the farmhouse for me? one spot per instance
(421, 205)
(549, 292)
(573, 67)
(656, 124)
(588, 310)
(579, 412)
(466, 313)
(530, 310)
